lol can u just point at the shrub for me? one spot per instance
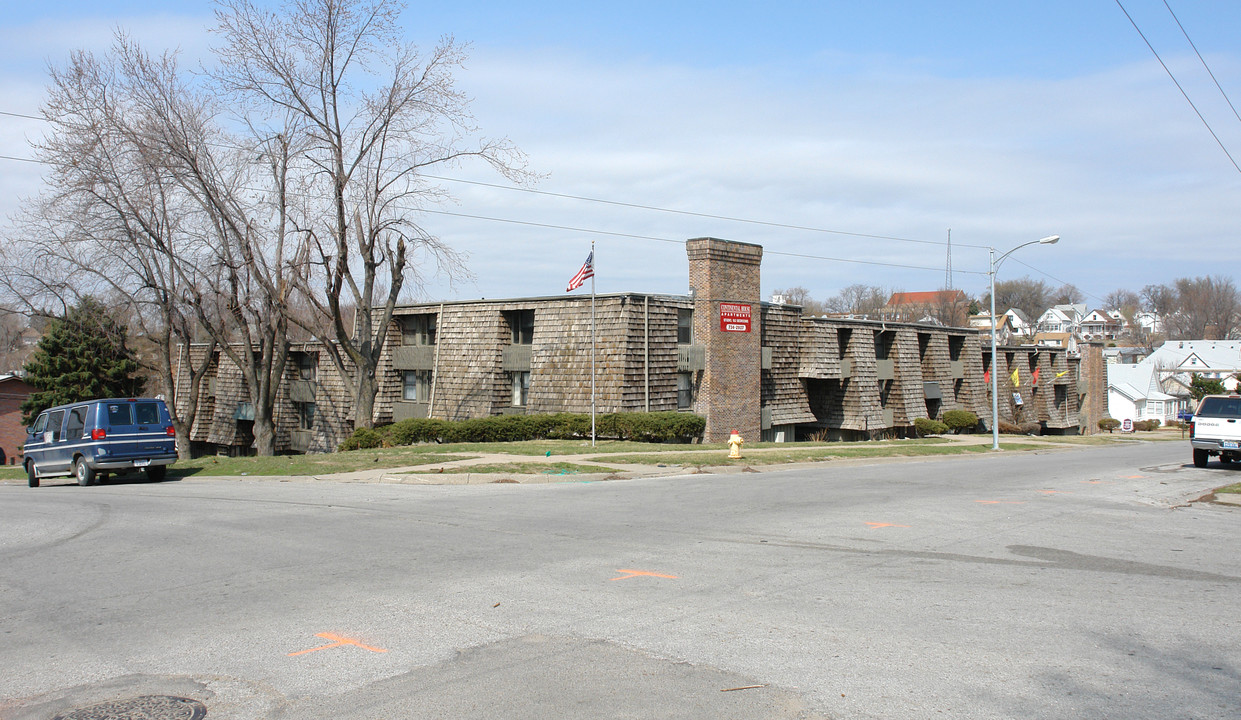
(1007, 428)
(1154, 423)
(643, 427)
(927, 426)
(1109, 424)
(408, 432)
(961, 421)
(362, 439)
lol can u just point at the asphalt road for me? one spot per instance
(1079, 584)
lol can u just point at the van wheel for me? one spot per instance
(32, 478)
(156, 473)
(1200, 457)
(83, 472)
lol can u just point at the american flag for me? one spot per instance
(587, 272)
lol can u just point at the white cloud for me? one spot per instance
(1114, 162)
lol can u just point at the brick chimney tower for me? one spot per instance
(724, 277)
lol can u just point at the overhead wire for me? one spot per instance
(1202, 60)
(905, 266)
(1178, 86)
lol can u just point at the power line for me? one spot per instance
(610, 233)
(1178, 86)
(1202, 59)
(652, 208)
(691, 213)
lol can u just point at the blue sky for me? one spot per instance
(1004, 121)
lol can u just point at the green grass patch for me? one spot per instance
(816, 453)
(321, 464)
(1234, 488)
(529, 468)
(12, 472)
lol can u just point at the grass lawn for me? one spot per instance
(608, 451)
(1235, 488)
(324, 464)
(816, 452)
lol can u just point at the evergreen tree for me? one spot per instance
(82, 356)
(1200, 387)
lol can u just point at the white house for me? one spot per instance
(1158, 386)
(1062, 319)
(1098, 325)
(1133, 393)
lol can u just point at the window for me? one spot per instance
(53, 424)
(685, 390)
(146, 414)
(120, 414)
(884, 341)
(305, 415)
(956, 344)
(885, 390)
(40, 424)
(417, 386)
(76, 424)
(418, 330)
(521, 388)
(306, 365)
(1061, 395)
(521, 323)
(685, 326)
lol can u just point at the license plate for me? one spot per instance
(1229, 444)
(144, 463)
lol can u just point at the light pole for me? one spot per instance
(995, 380)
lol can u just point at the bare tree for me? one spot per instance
(153, 201)
(859, 299)
(373, 115)
(1066, 295)
(1031, 297)
(1206, 308)
(110, 221)
(801, 296)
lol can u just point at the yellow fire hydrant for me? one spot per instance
(734, 446)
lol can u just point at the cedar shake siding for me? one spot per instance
(766, 370)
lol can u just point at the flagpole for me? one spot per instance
(592, 347)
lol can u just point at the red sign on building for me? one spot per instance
(734, 317)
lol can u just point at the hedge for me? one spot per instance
(1109, 424)
(961, 421)
(642, 427)
(927, 426)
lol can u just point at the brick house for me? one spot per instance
(762, 369)
(13, 392)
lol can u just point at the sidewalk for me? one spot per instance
(437, 475)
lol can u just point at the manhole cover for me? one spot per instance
(147, 707)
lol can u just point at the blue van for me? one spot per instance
(90, 439)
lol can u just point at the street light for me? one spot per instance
(995, 380)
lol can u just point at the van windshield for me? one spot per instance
(1221, 407)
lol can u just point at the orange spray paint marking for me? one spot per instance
(875, 525)
(337, 641)
(641, 573)
(1135, 477)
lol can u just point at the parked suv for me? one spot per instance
(93, 438)
(1216, 429)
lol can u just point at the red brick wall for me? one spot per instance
(13, 393)
(730, 395)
